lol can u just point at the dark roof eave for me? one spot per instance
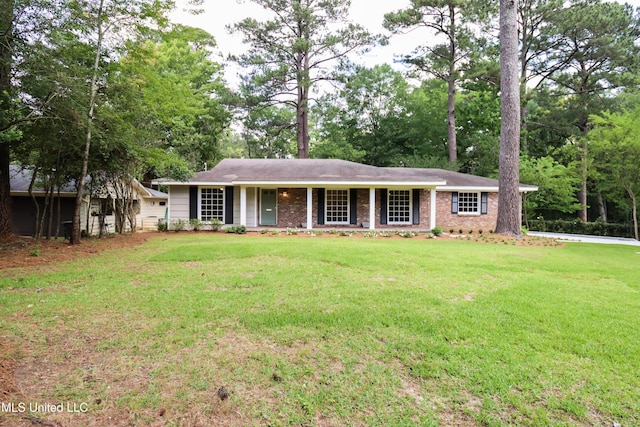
(313, 183)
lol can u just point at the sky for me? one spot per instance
(369, 13)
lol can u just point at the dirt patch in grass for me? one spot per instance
(9, 392)
(27, 252)
(7, 365)
(179, 388)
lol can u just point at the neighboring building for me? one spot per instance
(153, 207)
(312, 193)
(150, 205)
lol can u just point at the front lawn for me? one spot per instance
(327, 331)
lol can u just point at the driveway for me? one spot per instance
(587, 239)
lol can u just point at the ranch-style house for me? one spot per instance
(316, 193)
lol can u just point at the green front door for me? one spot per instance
(268, 200)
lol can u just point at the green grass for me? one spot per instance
(333, 331)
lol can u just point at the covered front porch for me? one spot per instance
(334, 207)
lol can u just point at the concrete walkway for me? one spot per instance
(587, 239)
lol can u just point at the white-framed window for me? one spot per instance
(211, 204)
(468, 203)
(399, 207)
(337, 206)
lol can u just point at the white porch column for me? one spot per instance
(309, 208)
(372, 209)
(432, 213)
(243, 205)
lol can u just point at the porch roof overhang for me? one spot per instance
(317, 184)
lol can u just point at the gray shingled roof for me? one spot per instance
(309, 171)
(156, 193)
(20, 178)
(458, 179)
(304, 170)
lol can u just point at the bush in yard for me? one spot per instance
(238, 229)
(576, 226)
(437, 231)
(215, 224)
(196, 224)
(406, 234)
(178, 224)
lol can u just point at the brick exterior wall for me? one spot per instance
(425, 208)
(363, 206)
(292, 212)
(292, 207)
(456, 222)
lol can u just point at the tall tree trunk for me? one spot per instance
(130, 212)
(524, 42)
(302, 80)
(524, 109)
(47, 213)
(634, 205)
(509, 209)
(6, 43)
(302, 133)
(302, 106)
(584, 171)
(602, 208)
(451, 91)
(6, 228)
(59, 211)
(36, 232)
(75, 234)
(451, 122)
(88, 219)
(525, 212)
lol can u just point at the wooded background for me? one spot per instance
(112, 89)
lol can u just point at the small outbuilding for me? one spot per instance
(98, 208)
